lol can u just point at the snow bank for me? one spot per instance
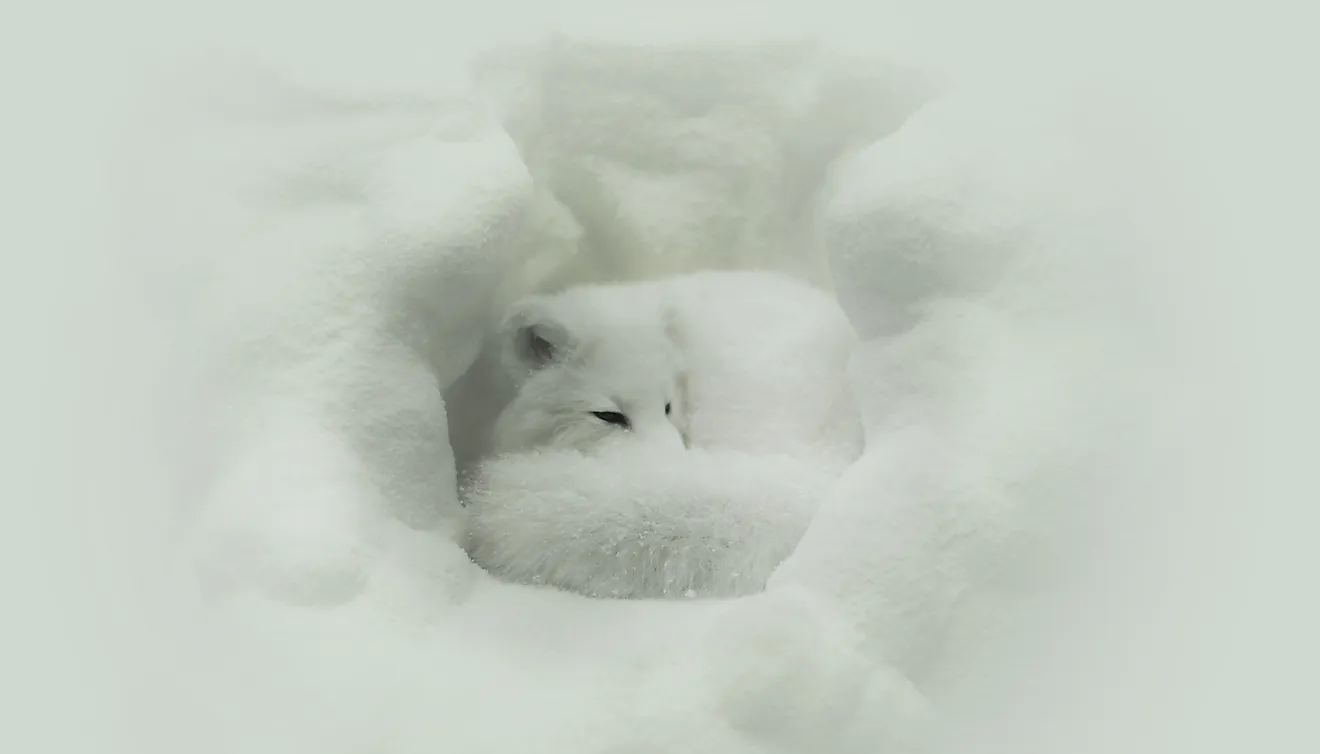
(338, 257)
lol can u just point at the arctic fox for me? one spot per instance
(747, 369)
(591, 366)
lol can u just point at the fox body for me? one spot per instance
(592, 366)
(742, 373)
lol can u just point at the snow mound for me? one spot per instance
(345, 256)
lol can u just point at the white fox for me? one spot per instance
(592, 366)
(741, 373)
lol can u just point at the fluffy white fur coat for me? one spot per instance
(631, 523)
(766, 409)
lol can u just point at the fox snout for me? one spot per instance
(662, 436)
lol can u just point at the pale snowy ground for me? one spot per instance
(1187, 620)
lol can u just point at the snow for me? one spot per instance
(957, 238)
(1065, 533)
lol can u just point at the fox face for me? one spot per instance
(592, 366)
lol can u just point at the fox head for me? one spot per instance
(592, 366)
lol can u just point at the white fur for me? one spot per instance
(767, 360)
(607, 349)
(752, 361)
(632, 522)
(753, 365)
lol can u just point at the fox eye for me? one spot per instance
(668, 406)
(612, 417)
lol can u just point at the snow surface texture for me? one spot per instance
(353, 252)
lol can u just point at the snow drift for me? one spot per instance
(344, 255)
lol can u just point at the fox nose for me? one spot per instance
(666, 436)
(675, 438)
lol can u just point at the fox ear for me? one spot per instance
(533, 337)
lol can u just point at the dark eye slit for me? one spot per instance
(667, 408)
(612, 417)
